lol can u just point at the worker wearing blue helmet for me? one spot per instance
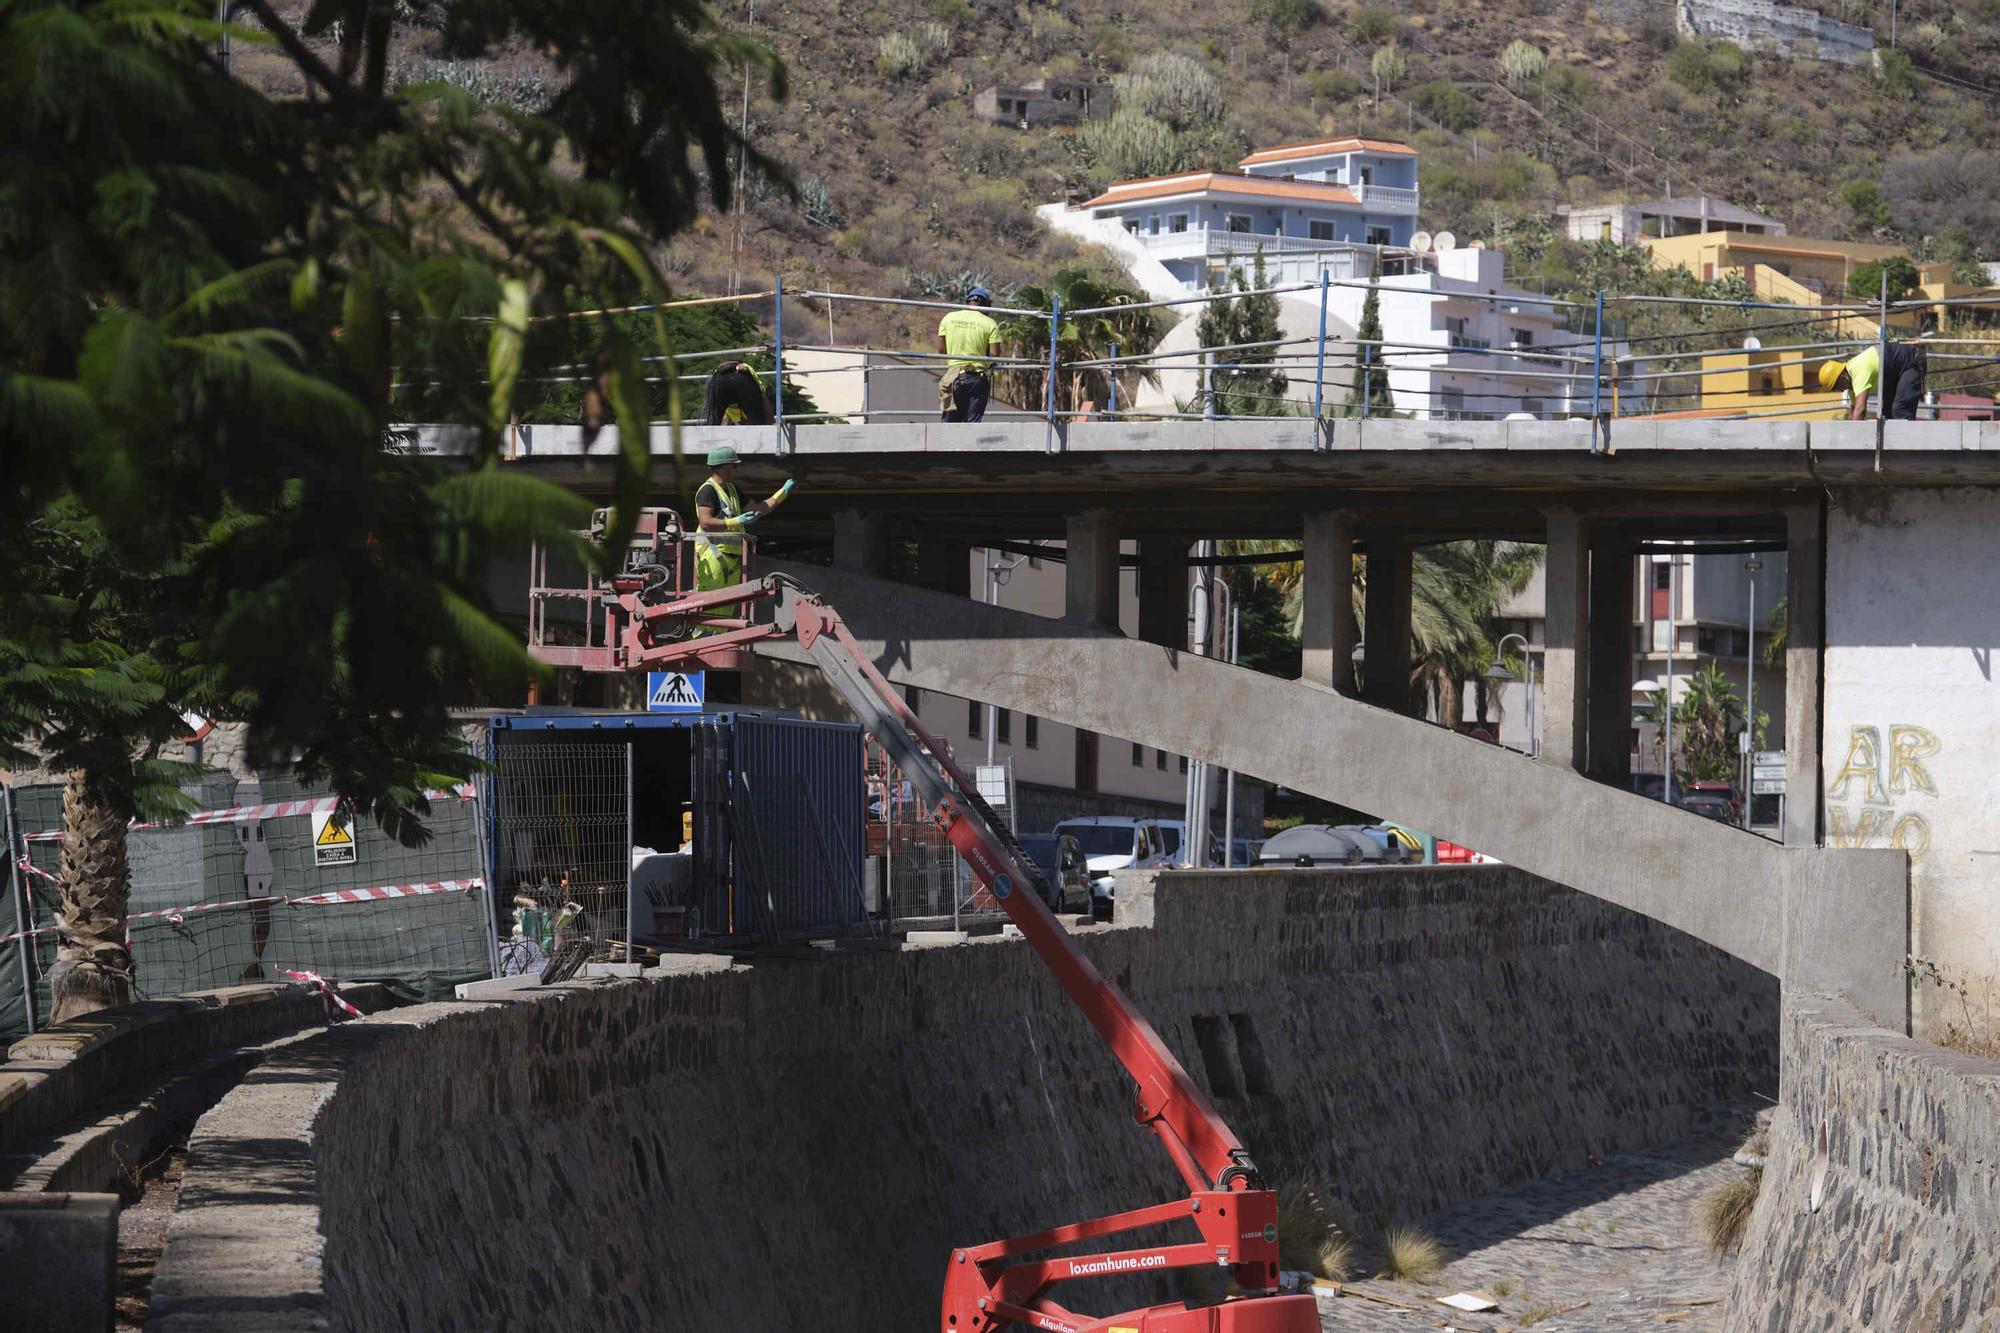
(966, 338)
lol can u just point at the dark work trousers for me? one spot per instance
(1903, 373)
(969, 394)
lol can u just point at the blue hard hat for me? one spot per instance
(980, 294)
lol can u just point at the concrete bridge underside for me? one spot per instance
(1814, 917)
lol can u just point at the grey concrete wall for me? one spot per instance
(1836, 919)
(1881, 1197)
(762, 1146)
(1911, 753)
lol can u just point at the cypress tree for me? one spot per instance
(1371, 375)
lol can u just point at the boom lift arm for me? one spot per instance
(994, 1286)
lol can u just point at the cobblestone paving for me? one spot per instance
(1611, 1247)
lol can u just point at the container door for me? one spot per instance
(799, 813)
(714, 893)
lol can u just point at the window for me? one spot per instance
(1663, 574)
(973, 719)
(1003, 727)
(1455, 327)
(1160, 760)
(1523, 338)
(1367, 175)
(1177, 222)
(1031, 731)
(913, 697)
(1451, 403)
(1704, 640)
(1138, 756)
(1237, 222)
(1379, 236)
(1319, 229)
(1153, 224)
(1532, 406)
(1132, 225)
(1183, 763)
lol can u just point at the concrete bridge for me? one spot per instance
(1891, 709)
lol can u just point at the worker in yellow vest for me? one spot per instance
(1899, 376)
(721, 519)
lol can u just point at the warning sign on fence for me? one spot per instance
(333, 839)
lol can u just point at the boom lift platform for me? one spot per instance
(642, 619)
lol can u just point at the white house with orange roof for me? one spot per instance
(1347, 196)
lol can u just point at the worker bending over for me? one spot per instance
(721, 519)
(1901, 381)
(966, 339)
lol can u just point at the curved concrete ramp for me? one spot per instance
(1834, 919)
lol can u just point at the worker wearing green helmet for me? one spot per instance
(721, 519)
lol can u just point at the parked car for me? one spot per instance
(1061, 860)
(1726, 790)
(1326, 845)
(1243, 851)
(1175, 831)
(1115, 842)
(1710, 806)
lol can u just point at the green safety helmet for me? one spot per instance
(721, 456)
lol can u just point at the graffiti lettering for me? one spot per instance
(1906, 746)
(1875, 775)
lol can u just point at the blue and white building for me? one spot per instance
(1338, 201)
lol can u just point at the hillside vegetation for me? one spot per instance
(1518, 106)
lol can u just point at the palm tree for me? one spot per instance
(1456, 591)
(1085, 338)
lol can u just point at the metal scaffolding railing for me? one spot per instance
(1593, 365)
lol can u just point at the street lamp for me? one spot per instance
(1750, 567)
(1499, 671)
(998, 572)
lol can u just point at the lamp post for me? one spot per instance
(1667, 786)
(1500, 672)
(1750, 567)
(998, 571)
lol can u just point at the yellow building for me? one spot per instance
(1805, 270)
(1754, 382)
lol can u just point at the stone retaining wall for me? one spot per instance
(797, 1144)
(1880, 1206)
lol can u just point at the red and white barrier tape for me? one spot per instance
(241, 814)
(314, 981)
(382, 891)
(377, 894)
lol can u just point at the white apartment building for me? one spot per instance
(1459, 344)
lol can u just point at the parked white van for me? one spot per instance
(1115, 842)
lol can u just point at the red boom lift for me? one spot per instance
(641, 619)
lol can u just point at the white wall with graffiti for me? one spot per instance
(1911, 748)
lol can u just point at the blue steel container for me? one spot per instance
(778, 806)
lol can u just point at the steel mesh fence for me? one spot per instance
(259, 888)
(562, 842)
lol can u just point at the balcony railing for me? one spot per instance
(1386, 196)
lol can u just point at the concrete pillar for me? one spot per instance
(1386, 609)
(1163, 591)
(1563, 702)
(1608, 630)
(860, 542)
(1327, 635)
(944, 565)
(1090, 583)
(1805, 555)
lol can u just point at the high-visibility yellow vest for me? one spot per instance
(723, 549)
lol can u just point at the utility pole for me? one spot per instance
(742, 173)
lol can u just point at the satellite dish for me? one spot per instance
(1752, 343)
(1421, 242)
(1444, 240)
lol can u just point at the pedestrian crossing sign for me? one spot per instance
(675, 691)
